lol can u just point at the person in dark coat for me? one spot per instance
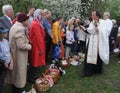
(6, 19)
(48, 30)
(113, 35)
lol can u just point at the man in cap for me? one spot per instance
(4, 56)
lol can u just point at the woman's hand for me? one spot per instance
(10, 66)
(73, 41)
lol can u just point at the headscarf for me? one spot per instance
(38, 17)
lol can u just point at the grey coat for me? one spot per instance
(5, 22)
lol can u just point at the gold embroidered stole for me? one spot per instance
(93, 49)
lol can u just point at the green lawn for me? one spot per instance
(71, 82)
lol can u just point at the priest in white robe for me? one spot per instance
(97, 46)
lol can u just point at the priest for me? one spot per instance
(97, 46)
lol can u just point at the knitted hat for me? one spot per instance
(22, 17)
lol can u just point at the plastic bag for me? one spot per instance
(56, 52)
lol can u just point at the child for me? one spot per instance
(4, 56)
(69, 40)
(62, 34)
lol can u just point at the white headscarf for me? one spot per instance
(37, 16)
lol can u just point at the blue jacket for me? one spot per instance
(47, 26)
(2, 57)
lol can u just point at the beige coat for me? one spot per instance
(19, 47)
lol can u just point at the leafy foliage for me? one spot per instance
(65, 8)
(20, 5)
(114, 7)
(68, 8)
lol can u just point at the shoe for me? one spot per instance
(86, 75)
(62, 72)
(18, 90)
(32, 80)
(23, 92)
(56, 60)
(119, 62)
(53, 61)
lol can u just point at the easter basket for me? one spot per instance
(54, 72)
(41, 84)
(65, 63)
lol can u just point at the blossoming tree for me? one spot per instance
(69, 8)
(65, 8)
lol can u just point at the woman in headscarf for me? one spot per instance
(37, 39)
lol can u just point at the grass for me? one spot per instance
(71, 82)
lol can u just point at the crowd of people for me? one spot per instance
(36, 39)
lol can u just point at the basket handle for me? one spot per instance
(33, 89)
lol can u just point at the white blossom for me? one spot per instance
(65, 8)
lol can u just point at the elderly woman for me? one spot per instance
(20, 46)
(37, 39)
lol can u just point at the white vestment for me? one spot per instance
(98, 43)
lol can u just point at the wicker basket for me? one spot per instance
(71, 59)
(41, 84)
(54, 73)
(65, 64)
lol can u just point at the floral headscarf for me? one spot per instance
(37, 16)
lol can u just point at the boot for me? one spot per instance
(36, 72)
(17, 90)
(14, 89)
(33, 75)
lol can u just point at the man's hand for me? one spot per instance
(96, 28)
(82, 27)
